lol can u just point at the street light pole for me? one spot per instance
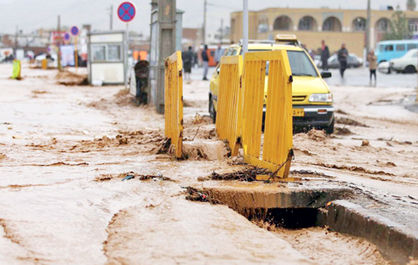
(368, 21)
(245, 26)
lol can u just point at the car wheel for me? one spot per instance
(212, 111)
(410, 69)
(330, 128)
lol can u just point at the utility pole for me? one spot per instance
(245, 27)
(111, 18)
(205, 4)
(16, 42)
(59, 42)
(221, 37)
(368, 28)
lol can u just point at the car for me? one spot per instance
(311, 98)
(407, 63)
(353, 61)
(392, 49)
(384, 67)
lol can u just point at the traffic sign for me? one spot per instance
(126, 11)
(67, 36)
(74, 31)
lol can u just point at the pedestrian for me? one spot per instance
(141, 75)
(218, 54)
(187, 57)
(324, 55)
(372, 59)
(343, 59)
(205, 59)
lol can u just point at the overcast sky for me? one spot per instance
(30, 15)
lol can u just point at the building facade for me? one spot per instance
(335, 26)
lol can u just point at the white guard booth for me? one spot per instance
(107, 61)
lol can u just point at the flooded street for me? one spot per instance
(66, 152)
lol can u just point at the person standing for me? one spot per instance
(187, 57)
(218, 54)
(343, 59)
(205, 59)
(372, 59)
(324, 55)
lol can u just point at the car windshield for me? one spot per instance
(300, 64)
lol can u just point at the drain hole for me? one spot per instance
(290, 218)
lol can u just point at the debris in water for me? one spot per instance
(365, 143)
(194, 194)
(248, 174)
(342, 131)
(128, 177)
(348, 121)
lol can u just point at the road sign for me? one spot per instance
(126, 11)
(74, 31)
(67, 36)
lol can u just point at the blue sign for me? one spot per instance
(74, 31)
(126, 11)
(67, 36)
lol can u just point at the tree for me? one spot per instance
(398, 27)
(411, 5)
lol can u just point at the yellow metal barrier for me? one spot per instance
(17, 68)
(229, 111)
(277, 145)
(173, 101)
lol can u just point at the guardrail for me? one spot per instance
(278, 125)
(229, 112)
(173, 102)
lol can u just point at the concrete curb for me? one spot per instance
(394, 241)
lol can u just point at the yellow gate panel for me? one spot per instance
(173, 102)
(278, 124)
(229, 112)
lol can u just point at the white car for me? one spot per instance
(384, 67)
(407, 63)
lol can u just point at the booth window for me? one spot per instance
(98, 52)
(114, 52)
(106, 52)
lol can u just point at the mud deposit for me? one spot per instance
(86, 178)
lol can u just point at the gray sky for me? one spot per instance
(33, 14)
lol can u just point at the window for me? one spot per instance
(388, 48)
(106, 52)
(359, 24)
(300, 64)
(332, 24)
(400, 47)
(114, 52)
(381, 48)
(307, 23)
(411, 46)
(98, 52)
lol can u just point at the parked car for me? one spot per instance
(311, 98)
(407, 63)
(384, 67)
(392, 49)
(353, 61)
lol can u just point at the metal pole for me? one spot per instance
(204, 21)
(59, 43)
(111, 18)
(368, 28)
(127, 66)
(76, 53)
(245, 27)
(222, 31)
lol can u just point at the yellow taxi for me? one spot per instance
(312, 100)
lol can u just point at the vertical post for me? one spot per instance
(166, 45)
(16, 42)
(245, 27)
(205, 3)
(127, 55)
(76, 52)
(59, 42)
(111, 18)
(221, 32)
(368, 28)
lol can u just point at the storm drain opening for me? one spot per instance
(289, 218)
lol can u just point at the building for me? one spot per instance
(311, 25)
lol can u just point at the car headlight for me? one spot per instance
(320, 98)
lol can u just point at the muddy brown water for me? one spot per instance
(55, 141)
